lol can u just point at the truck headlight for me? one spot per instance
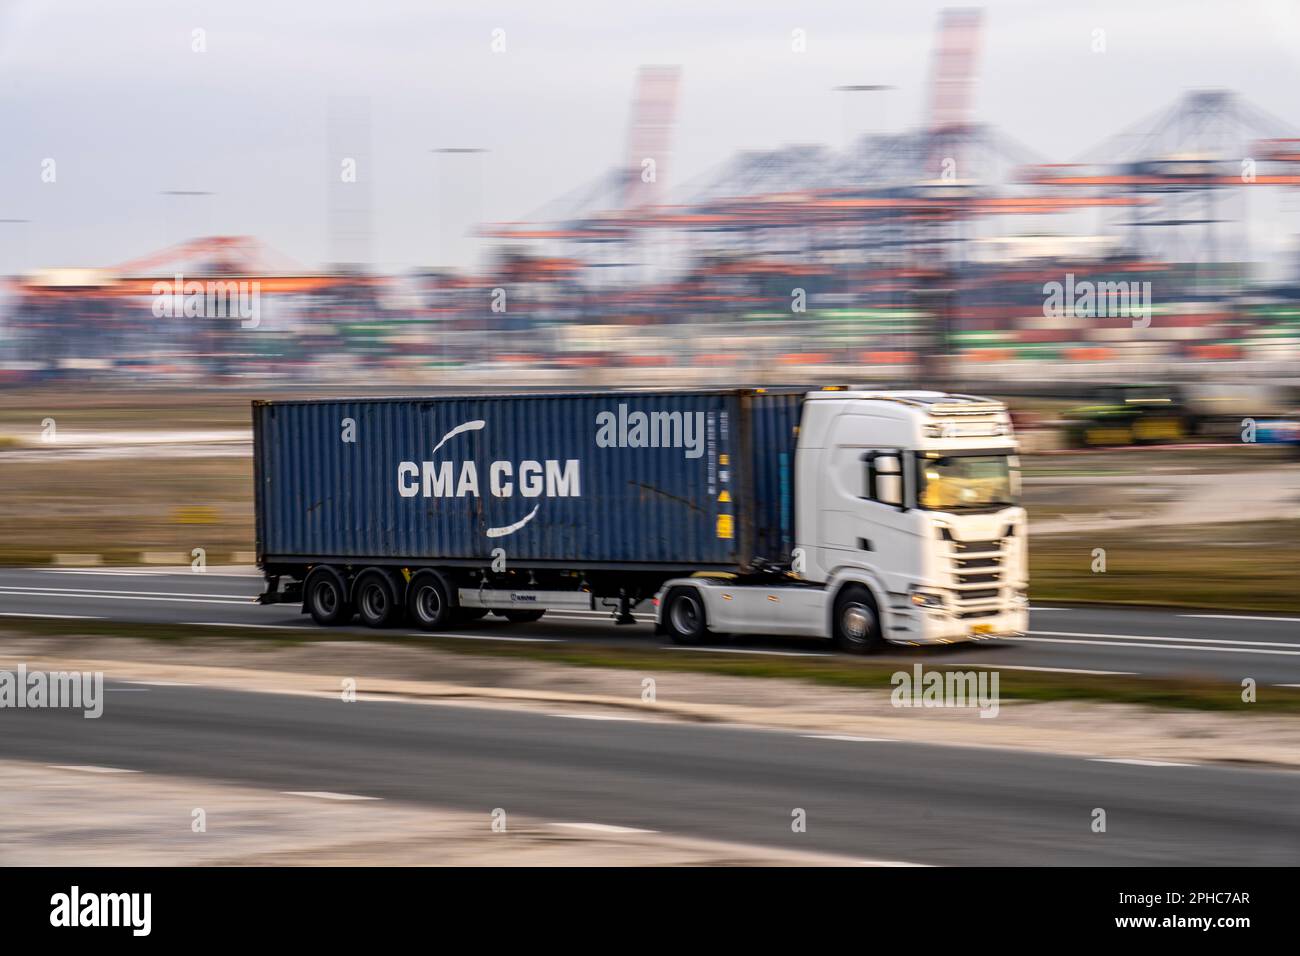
(928, 599)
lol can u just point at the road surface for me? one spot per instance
(1144, 642)
(874, 801)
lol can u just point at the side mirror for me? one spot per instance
(889, 480)
(889, 489)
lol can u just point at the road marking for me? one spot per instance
(593, 618)
(739, 650)
(1286, 685)
(274, 627)
(141, 572)
(1132, 641)
(602, 828)
(849, 739)
(1056, 670)
(325, 795)
(489, 637)
(126, 690)
(1033, 609)
(86, 768)
(1186, 640)
(61, 617)
(14, 592)
(79, 591)
(1138, 762)
(596, 717)
(1242, 617)
(890, 863)
(157, 683)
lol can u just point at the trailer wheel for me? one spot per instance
(376, 599)
(522, 617)
(683, 616)
(856, 626)
(429, 603)
(325, 596)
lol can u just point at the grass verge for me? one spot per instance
(1240, 567)
(849, 672)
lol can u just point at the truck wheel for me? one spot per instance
(856, 627)
(376, 600)
(522, 617)
(429, 604)
(683, 616)
(326, 598)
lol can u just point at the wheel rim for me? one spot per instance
(428, 603)
(857, 621)
(374, 600)
(686, 615)
(327, 598)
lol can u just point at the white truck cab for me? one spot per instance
(907, 525)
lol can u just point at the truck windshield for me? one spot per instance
(966, 482)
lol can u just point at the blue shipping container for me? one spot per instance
(701, 479)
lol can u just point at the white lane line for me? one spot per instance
(139, 573)
(61, 617)
(325, 795)
(1235, 642)
(92, 572)
(489, 637)
(1286, 685)
(601, 828)
(578, 615)
(598, 717)
(247, 602)
(86, 768)
(157, 683)
(740, 650)
(274, 627)
(1242, 617)
(1138, 762)
(24, 588)
(890, 863)
(1055, 670)
(1159, 647)
(592, 619)
(848, 739)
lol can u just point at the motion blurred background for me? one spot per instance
(579, 195)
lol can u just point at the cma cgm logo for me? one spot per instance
(550, 478)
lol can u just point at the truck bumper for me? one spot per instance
(921, 626)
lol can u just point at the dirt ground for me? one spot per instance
(58, 816)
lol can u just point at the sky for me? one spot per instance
(131, 113)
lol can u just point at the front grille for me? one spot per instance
(978, 571)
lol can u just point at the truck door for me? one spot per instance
(863, 496)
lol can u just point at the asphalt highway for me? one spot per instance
(1145, 642)
(867, 801)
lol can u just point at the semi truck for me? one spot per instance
(866, 517)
